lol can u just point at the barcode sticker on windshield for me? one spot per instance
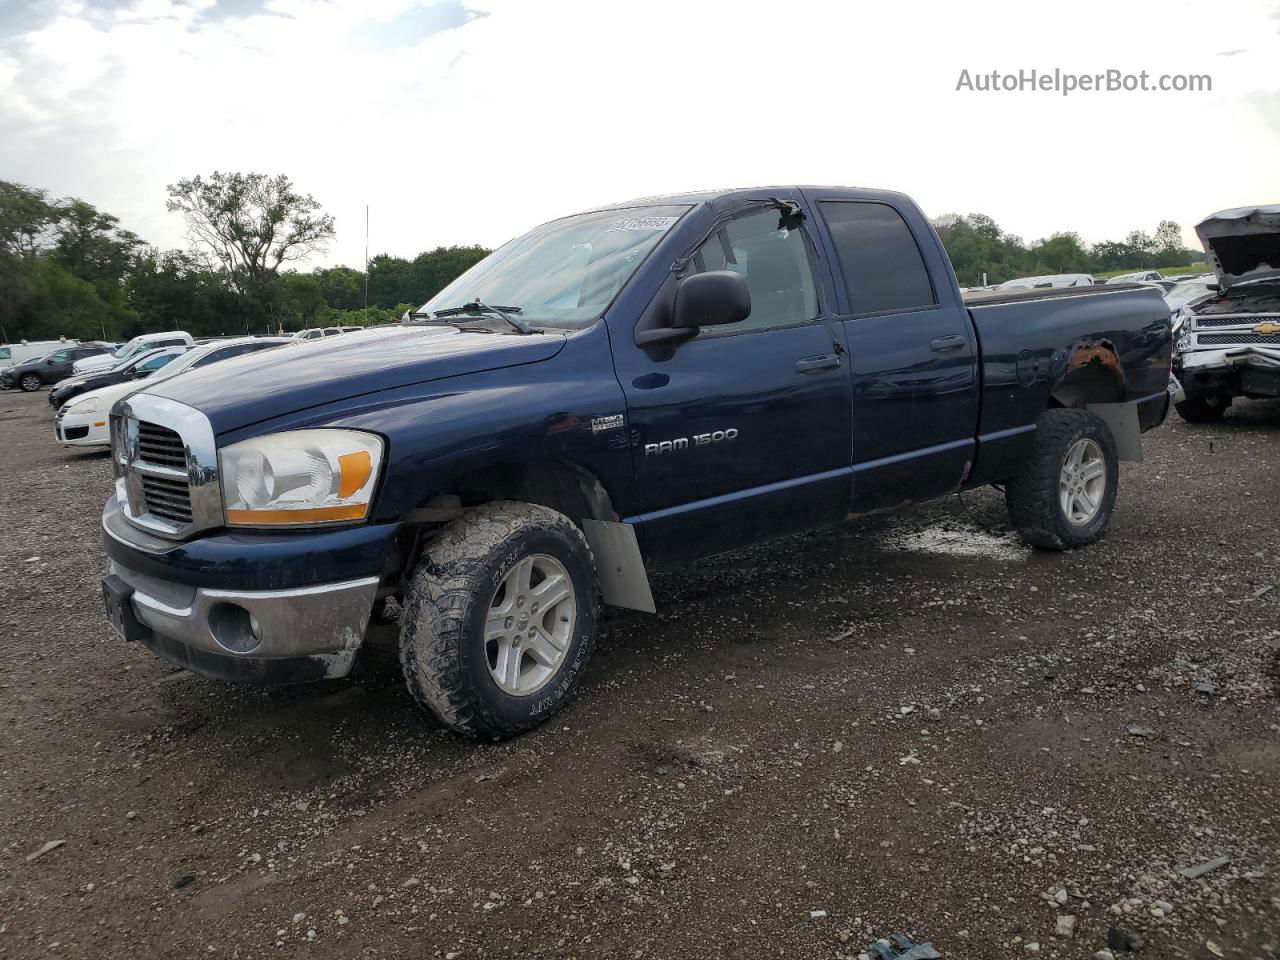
(642, 223)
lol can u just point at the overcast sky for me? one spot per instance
(468, 121)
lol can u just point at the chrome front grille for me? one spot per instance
(166, 460)
(157, 444)
(1222, 322)
(1230, 339)
(1248, 320)
(169, 499)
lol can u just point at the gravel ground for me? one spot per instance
(910, 724)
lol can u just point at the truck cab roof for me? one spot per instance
(729, 197)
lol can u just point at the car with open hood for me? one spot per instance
(1228, 341)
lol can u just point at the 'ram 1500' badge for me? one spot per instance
(697, 440)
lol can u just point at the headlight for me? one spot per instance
(300, 477)
(87, 405)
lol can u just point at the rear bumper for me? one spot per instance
(264, 608)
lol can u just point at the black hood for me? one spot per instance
(271, 383)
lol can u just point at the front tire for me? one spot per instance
(500, 619)
(1208, 409)
(31, 382)
(1066, 492)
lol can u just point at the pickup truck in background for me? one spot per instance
(1228, 341)
(613, 392)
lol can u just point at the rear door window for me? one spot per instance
(883, 268)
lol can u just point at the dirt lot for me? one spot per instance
(912, 724)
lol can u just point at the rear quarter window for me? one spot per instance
(883, 268)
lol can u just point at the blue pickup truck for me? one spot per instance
(614, 392)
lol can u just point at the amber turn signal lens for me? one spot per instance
(353, 511)
(354, 469)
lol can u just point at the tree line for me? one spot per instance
(69, 269)
(977, 246)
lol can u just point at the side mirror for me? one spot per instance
(703, 300)
(1213, 287)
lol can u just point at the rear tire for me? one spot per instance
(1066, 492)
(500, 619)
(30, 383)
(1203, 409)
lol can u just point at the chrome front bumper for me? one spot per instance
(275, 636)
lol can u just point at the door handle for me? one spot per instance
(943, 344)
(816, 364)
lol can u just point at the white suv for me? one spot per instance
(139, 344)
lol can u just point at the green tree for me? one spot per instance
(91, 244)
(341, 287)
(26, 228)
(978, 247)
(436, 269)
(1060, 253)
(300, 301)
(391, 280)
(249, 225)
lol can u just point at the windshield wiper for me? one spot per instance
(476, 306)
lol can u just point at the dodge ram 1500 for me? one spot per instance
(613, 392)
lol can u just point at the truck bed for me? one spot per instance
(1034, 356)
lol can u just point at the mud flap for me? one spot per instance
(624, 582)
(1122, 420)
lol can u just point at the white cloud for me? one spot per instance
(458, 130)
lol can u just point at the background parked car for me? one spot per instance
(1052, 280)
(1189, 290)
(83, 421)
(140, 366)
(11, 353)
(1136, 277)
(315, 333)
(56, 366)
(139, 344)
